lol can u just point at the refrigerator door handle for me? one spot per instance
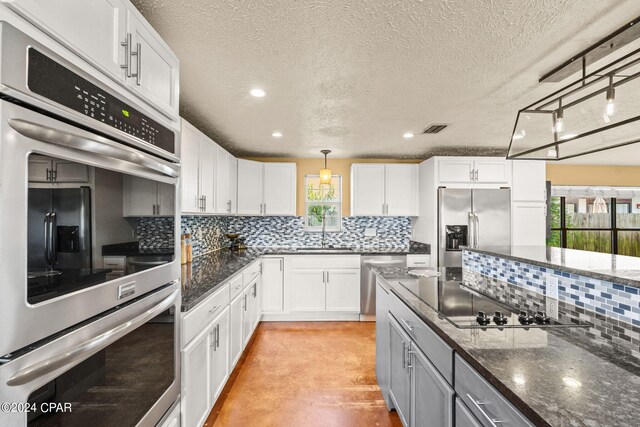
(46, 237)
(471, 234)
(52, 238)
(476, 229)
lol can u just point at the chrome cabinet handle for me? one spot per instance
(327, 277)
(127, 44)
(281, 263)
(153, 207)
(55, 175)
(404, 355)
(245, 302)
(409, 364)
(212, 335)
(265, 208)
(91, 346)
(204, 203)
(214, 309)
(476, 175)
(324, 277)
(408, 325)
(158, 209)
(255, 290)
(218, 335)
(138, 54)
(493, 422)
(471, 174)
(229, 206)
(96, 145)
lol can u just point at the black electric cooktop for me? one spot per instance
(467, 308)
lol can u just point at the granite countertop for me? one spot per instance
(556, 377)
(613, 268)
(208, 272)
(133, 249)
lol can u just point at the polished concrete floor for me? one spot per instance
(306, 374)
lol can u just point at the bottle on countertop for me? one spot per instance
(183, 248)
(189, 247)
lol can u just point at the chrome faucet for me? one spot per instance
(324, 223)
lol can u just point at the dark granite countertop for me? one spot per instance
(556, 377)
(613, 268)
(133, 249)
(208, 272)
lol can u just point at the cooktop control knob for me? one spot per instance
(542, 318)
(525, 318)
(482, 318)
(499, 318)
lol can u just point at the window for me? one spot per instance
(595, 223)
(323, 203)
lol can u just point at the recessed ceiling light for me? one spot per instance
(257, 92)
(407, 135)
(276, 134)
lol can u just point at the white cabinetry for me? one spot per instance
(308, 290)
(528, 209)
(266, 188)
(45, 169)
(236, 342)
(273, 285)
(143, 197)
(469, 170)
(198, 160)
(225, 181)
(114, 37)
(196, 379)
(342, 290)
(384, 189)
(219, 354)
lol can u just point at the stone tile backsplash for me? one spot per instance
(155, 232)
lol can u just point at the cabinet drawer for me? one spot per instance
(251, 272)
(438, 351)
(483, 400)
(417, 261)
(201, 315)
(325, 261)
(235, 286)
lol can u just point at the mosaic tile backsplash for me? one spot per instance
(207, 232)
(155, 232)
(612, 309)
(285, 231)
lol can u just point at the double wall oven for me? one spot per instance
(74, 155)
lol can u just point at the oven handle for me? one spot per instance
(81, 351)
(96, 145)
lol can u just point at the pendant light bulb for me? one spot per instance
(610, 109)
(325, 173)
(559, 125)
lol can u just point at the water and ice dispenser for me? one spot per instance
(456, 236)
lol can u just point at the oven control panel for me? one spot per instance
(52, 80)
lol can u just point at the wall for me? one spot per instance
(311, 166)
(623, 176)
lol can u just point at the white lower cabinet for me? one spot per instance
(219, 354)
(431, 395)
(400, 378)
(342, 290)
(307, 293)
(246, 316)
(272, 285)
(196, 393)
(382, 339)
(235, 334)
(256, 303)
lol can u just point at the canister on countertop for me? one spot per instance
(189, 247)
(183, 248)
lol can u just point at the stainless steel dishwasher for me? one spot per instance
(368, 281)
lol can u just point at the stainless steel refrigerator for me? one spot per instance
(478, 217)
(59, 231)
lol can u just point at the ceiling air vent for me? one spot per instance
(435, 128)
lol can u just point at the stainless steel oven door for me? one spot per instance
(120, 369)
(37, 299)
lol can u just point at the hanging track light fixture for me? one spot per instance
(598, 111)
(325, 173)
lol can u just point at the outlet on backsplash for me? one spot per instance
(551, 307)
(552, 288)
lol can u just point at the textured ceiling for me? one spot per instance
(353, 76)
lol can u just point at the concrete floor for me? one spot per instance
(305, 374)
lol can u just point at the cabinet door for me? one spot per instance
(93, 29)
(367, 189)
(455, 170)
(431, 395)
(255, 303)
(233, 184)
(529, 181)
(65, 171)
(190, 162)
(529, 224)
(196, 379)
(249, 187)
(342, 291)
(246, 315)
(207, 153)
(400, 379)
(221, 180)
(492, 171)
(155, 65)
(273, 285)
(140, 196)
(307, 290)
(40, 169)
(464, 417)
(279, 188)
(219, 354)
(235, 329)
(166, 199)
(401, 190)
(382, 341)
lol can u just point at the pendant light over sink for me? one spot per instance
(325, 174)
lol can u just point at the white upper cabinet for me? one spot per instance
(114, 37)
(384, 189)
(197, 156)
(226, 175)
(266, 188)
(154, 69)
(367, 189)
(143, 197)
(470, 170)
(279, 188)
(401, 190)
(249, 187)
(529, 181)
(93, 29)
(233, 183)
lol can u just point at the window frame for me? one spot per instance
(337, 204)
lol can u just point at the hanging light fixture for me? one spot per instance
(572, 121)
(325, 174)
